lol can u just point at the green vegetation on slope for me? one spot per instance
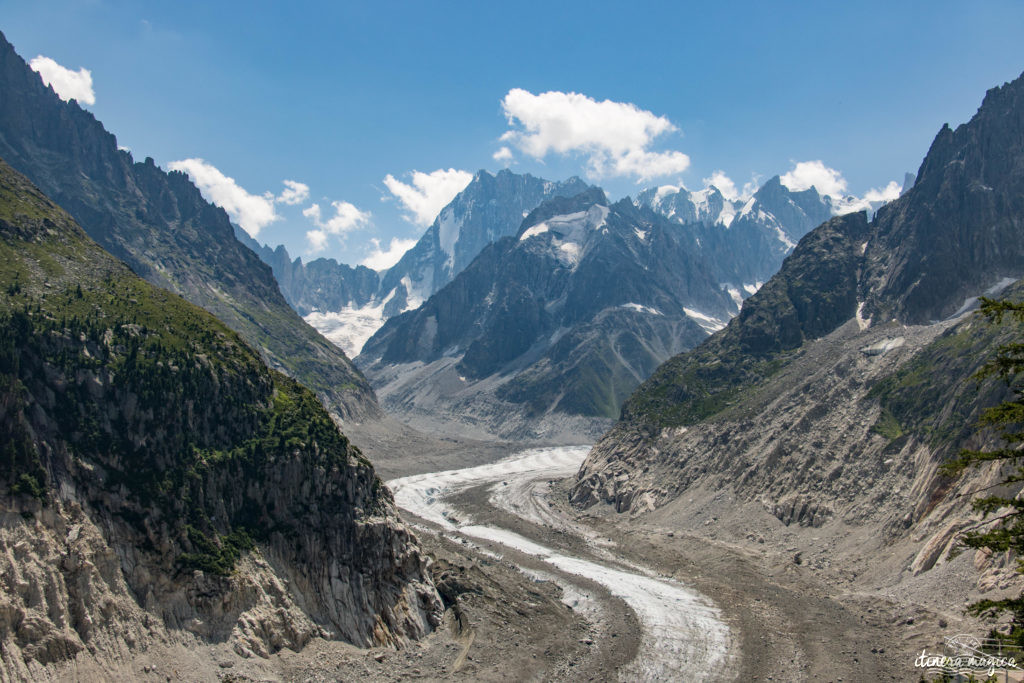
(135, 393)
(933, 395)
(814, 293)
(160, 225)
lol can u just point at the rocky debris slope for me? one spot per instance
(160, 225)
(163, 486)
(830, 401)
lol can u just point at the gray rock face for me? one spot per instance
(491, 207)
(319, 285)
(162, 227)
(959, 230)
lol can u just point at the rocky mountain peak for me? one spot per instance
(562, 206)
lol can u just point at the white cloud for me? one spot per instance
(294, 193)
(871, 200)
(886, 194)
(382, 259)
(317, 240)
(68, 84)
(614, 136)
(252, 212)
(728, 188)
(724, 184)
(807, 174)
(345, 219)
(429, 192)
(504, 154)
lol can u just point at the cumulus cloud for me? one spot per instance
(807, 174)
(728, 188)
(294, 193)
(345, 219)
(724, 184)
(382, 259)
(251, 211)
(871, 200)
(829, 181)
(504, 155)
(428, 193)
(886, 194)
(614, 136)
(317, 240)
(68, 84)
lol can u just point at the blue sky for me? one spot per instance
(339, 96)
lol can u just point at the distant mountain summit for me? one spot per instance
(744, 241)
(489, 208)
(348, 304)
(566, 317)
(160, 225)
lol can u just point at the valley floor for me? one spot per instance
(536, 590)
(784, 622)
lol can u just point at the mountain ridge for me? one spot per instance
(163, 485)
(823, 412)
(162, 227)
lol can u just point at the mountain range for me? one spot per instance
(549, 330)
(348, 304)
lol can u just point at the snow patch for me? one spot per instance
(709, 323)
(1000, 286)
(862, 322)
(727, 215)
(748, 207)
(570, 232)
(350, 327)
(448, 234)
(640, 308)
(415, 295)
(971, 302)
(571, 252)
(640, 234)
(883, 347)
(783, 237)
(752, 289)
(538, 229)
(735, 295)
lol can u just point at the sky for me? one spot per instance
(339, 129)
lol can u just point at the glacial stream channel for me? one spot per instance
(684, 637)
